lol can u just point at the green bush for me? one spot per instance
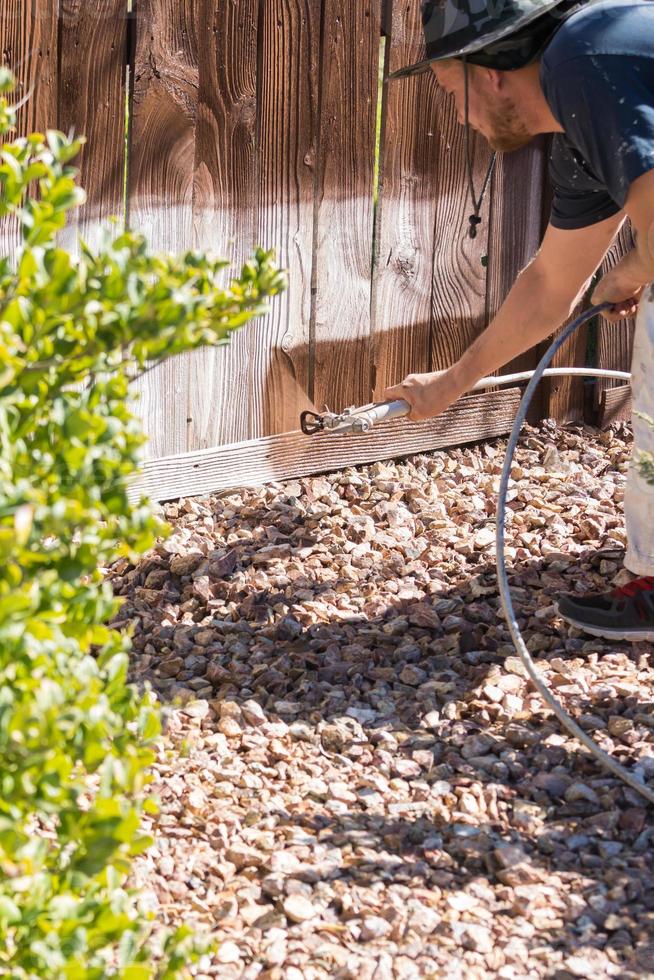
(75, 738)
(645, 461)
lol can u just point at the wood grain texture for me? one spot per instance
(29, 45)
(293, 454)
(615, 341)
(615, 406)
(344, 205)
(160, 187)
(92, 103)
(224, 383)
(409, 186)
(29, 36)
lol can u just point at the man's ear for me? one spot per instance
(495, 79)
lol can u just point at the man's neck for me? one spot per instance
(536, 113)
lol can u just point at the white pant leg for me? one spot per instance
(639, 495)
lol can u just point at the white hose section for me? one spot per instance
(502, 577)
(577, 372)
(364, 418)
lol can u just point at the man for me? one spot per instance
(583, 71)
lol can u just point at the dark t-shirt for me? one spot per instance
(598, 78)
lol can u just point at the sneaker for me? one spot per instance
(623, 614)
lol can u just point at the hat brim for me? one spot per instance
(453, 52)
(417, 69)
(422, 66)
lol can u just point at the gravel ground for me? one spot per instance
(360, 782)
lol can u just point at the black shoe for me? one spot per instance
(623, 614)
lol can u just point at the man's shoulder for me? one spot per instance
(603, 27)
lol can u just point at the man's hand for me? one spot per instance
(617, 288)
(427, 394)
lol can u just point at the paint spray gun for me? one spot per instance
(353, 419)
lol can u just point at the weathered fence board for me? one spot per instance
(280, 346)
(615, 405)
(219, 398)
(29, 35)
(344, 202)
(28, 41)
(91, 101)
(409, 185)
(615, 343)
(69, 62)
(225, 207)
(160, 185)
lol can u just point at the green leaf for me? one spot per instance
(9, 911)
(137, 972)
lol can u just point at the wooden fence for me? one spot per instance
(256, 122)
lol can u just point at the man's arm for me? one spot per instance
(541, 299)
(636, 269)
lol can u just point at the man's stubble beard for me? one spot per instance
(505, 131)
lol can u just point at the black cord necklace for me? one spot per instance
(475, 218)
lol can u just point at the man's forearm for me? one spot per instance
(530, 313)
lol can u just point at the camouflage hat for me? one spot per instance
(502, 34)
